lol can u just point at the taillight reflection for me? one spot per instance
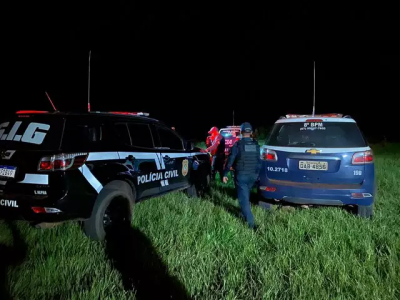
(361, 158)
(62, 162)
(269, 155)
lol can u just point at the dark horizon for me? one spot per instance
(186, 67)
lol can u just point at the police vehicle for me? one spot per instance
(92, 167)
(318, 160)
(231, 135)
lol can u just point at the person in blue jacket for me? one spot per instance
(245, 160)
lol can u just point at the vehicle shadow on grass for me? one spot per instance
(142, 270)
(10, 256)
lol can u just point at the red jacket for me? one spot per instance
(215, 141)
(208, 141)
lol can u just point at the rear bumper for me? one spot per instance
(305, 196)
(31, 217)
(21, 208)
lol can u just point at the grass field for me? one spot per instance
(200, 249)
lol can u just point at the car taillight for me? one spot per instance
(270, 189)
(43, 210)
(361, 158)
(269, 155)
(62, 162)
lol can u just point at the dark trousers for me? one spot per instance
(218, 166)
(244, 184)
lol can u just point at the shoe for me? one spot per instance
(254, 228)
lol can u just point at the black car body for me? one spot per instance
(61, 166)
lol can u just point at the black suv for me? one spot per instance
(92, 167)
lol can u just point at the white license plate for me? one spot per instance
(313, 165)
(6, 171)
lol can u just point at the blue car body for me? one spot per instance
(320, 160)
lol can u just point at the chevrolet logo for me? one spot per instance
(313, 151)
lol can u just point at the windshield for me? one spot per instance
(320, 135)
(228, 133)
(31, 133)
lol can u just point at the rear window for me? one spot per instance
(320, 135)
(80, 134)
(229, 133)
(31, 133)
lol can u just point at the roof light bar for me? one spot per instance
(21, 112)
(316, 116)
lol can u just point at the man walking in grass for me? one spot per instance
(245, 159)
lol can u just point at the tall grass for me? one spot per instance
(202, 248)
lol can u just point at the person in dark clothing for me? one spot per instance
(245, 160)
(217, 151)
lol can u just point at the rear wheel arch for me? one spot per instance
(118, 196)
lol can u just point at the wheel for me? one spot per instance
(365, 211)
(113, 208)
(200, 187)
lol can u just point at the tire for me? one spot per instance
(200, 187)
(113, 208)
(365, 211)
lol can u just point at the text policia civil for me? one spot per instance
(157, 176)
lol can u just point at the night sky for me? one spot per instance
(186, 64)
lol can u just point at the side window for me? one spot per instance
(140, 135)
(122, 133)
(169, 139)
(80, 135)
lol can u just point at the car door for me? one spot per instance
(175, 159)
(143, 163)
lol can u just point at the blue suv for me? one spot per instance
(318, 160)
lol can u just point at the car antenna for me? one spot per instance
(51, 102)
(90, 54)
(313, 114)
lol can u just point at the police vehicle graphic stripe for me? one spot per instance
(35, 179)
(156, 156)
(93, 156)
(197, 153)
(91, 178)
(7, 154)
(96, 156)
(159, 161)
(323, 150)
(175, 155)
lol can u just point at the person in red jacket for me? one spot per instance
(208, 141)
(217, 151)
